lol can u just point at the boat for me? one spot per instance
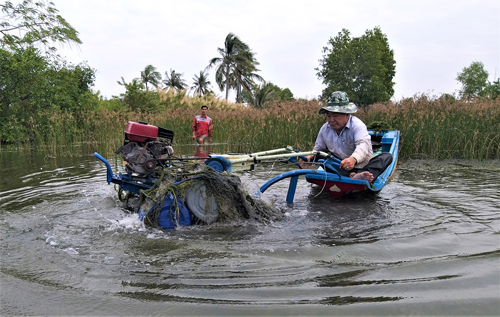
(337, 185)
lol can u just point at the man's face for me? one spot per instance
(337, 120)
(204, 111)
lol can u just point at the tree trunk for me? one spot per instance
(227, 82)
(238, 94)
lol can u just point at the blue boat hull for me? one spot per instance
(337, 185)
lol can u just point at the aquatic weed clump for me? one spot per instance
(231, 197)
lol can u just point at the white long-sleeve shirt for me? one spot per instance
(354, 141)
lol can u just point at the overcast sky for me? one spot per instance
(432, 40)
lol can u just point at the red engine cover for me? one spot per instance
(140, 132)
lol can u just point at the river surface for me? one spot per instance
(427, 244)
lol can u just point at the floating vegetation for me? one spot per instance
(193, 193)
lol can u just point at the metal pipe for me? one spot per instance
(258, 159)
(286, 149)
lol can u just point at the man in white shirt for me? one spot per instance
(346, 137)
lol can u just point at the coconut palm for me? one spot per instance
(201, 84)
(174, 80)
(244, 75)
(235, 52)
(150, 75)
(260, 95)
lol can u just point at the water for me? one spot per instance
(428, 244)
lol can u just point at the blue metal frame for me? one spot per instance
(109, 171)
(293, 182)
(126, 182)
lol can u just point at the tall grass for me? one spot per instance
(436, 129)
(441, 129)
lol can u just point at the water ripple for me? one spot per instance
(426, 239)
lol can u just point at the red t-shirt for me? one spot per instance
(202, 126)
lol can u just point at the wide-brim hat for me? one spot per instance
(349, 108)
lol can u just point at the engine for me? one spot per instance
(145, 148)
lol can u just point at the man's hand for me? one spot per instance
(304, 165)
(194, 136)
(348, 163)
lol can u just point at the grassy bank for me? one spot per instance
(434, 129)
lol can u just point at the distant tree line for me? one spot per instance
(36, 84)
(235, 69)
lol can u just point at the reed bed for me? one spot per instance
(431, 129)
(440, 129)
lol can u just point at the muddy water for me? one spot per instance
(428, 244)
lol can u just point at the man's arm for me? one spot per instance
(303, 164)
(362, 139)
(210, 128)
(362, 151)
(320, 144)
(348, 163)
(194, 128)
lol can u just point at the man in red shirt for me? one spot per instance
(202, 126)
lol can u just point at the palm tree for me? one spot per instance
(150, 75)
(174, 80)
(244, 74)
(235, 52)
(201, 84)
(260, 95)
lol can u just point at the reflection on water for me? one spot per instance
(428, 244)
(203, 150)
